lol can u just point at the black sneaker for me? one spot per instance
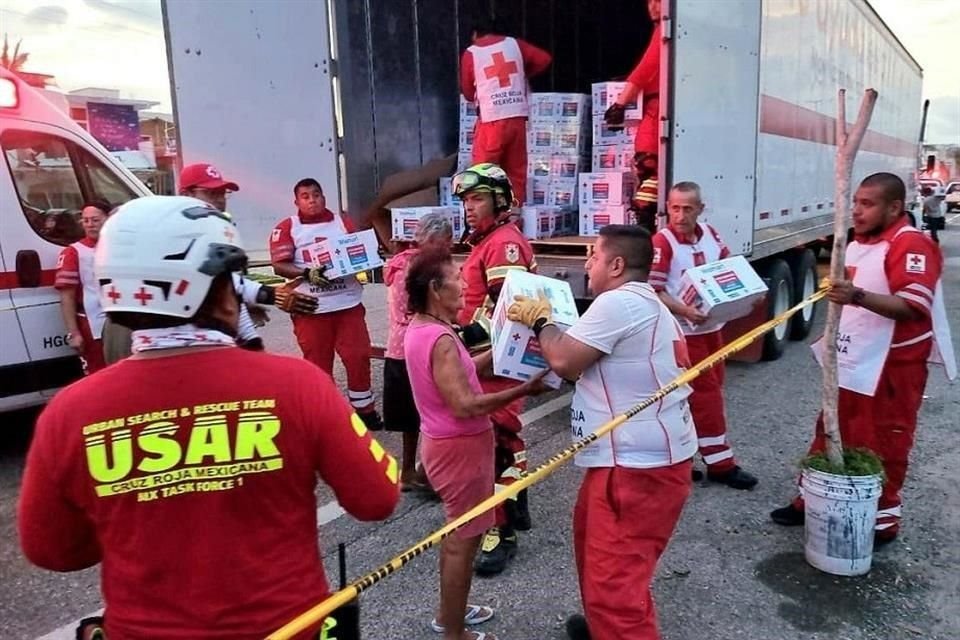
(736, 478)
(499, 546)
(788, 516)
(696, 475)
(882, 539)
(577, 627)
(518, 512)
(372, 420)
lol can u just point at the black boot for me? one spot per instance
(577, 628)
(735, 478)
(372, 420)
(499, 546)
(788, 516)
(518, 512)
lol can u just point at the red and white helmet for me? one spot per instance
(160, 254)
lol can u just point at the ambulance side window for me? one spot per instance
(46, 184)
(104, 182)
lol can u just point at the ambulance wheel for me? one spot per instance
(803, 269)
(779, 295)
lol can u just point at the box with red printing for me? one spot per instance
(606, 188)
(595, 217)
(347, 254)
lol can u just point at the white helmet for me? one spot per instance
(160, 254)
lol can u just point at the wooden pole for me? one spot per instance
(847, 146)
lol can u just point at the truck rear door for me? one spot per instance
(713, 97)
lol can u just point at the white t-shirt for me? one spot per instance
(645, 350)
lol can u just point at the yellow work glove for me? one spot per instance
(528, 310)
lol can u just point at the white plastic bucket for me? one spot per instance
(840, 515)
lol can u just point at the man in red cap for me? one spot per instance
(494, 72)
(205, 182)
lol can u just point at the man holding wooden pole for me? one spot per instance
(893, 321)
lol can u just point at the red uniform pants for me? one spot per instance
(343, 332)
(511, 451)
(706, 404)
(884, 423)
(622, 522)
(648, 131)
(504, 142)
(92, 353)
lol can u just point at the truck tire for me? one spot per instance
(803, 270)
(780, 283)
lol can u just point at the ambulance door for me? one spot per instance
(52, 174)
(713, 88)
(13, 352)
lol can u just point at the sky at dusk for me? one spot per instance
(119, 44)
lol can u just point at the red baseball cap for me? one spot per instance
(205, 176)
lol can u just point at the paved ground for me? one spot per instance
(729, 572)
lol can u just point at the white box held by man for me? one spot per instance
(345, 255)
(516, 352)
(404, 220)
(724, 290)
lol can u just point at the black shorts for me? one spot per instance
(399, 409)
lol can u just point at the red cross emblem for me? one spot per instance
(915, 260)
(113, 294)
(501, 69)
(516, 336)
(143, 296)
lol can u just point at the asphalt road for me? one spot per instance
(728, 573)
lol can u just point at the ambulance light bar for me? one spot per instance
(8, 94)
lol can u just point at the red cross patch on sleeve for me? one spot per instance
(916, 263)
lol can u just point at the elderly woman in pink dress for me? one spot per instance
(399, 409)
(457, 446)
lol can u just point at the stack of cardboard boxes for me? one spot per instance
(558, 143)
(605, 193)
(468, 121)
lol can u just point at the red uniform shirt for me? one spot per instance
(68, 271)
(282, 246)
(197, 495)
(913, 266)
(663, 254)
(646, 74)
(535, 62)
(483, 271)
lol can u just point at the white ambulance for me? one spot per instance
(52, 167)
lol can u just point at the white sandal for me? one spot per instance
(476, 614)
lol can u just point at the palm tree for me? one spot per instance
(17, 60)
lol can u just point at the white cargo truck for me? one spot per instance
(366, 100)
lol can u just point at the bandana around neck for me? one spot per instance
(185, 335)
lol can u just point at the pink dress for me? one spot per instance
(457, 453)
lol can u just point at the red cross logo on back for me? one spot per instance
(501, 69)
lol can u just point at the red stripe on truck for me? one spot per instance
(781, 118)
(9, 279)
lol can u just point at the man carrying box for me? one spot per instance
(685, 244)
(621, 351)
(338, 324)
(497, 247)
(494, 72)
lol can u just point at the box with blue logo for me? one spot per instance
(516, 351)
(346, 255)
(724, 290)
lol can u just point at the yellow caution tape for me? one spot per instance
(311, 617)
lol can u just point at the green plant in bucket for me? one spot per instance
(856, 462)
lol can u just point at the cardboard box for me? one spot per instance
(404, 220)
(544, 106)
(537, 190)
(724, 290)
(516, 352)
(572, 138)
(345, 255)
(538, 222)
(539, 164)
(573, 106)
(562, 192)
(464, 160)
(466, 138)
(607, 187)
(595, 217)
(468, 109)
(603, 135)
(604, 94)
(541, 137)
(615, 157)
(564, 165)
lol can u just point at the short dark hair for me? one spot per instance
(688, 186)
(926, 191)
(98, 203)
(630, 242)
(890, 185)
(425, 269)
(306, 182)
